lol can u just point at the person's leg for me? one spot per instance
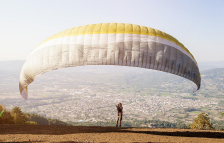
(117, 121)
(120, 120)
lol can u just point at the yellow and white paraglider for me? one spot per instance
(110, 44)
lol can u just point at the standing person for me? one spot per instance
(119, 114)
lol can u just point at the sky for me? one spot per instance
(198, 24)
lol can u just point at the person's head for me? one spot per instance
(119, 104)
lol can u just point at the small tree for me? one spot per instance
(202, 122)
(6, 117)
(19, 116)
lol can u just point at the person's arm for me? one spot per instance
(117, 111)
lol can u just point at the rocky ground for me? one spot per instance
(47, 133)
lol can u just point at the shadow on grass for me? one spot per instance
(199, 134)
(23, 141)
(62, 130)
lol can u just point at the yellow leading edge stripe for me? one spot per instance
(116, 28)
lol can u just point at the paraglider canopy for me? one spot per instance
(110, 44)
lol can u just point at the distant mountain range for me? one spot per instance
(210, 65)
(127, 75)
(17, 65)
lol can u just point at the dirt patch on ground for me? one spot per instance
(47, 133)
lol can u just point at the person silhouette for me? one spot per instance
(119, 114)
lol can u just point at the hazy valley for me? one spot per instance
(89, 93)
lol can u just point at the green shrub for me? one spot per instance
(31, 123)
